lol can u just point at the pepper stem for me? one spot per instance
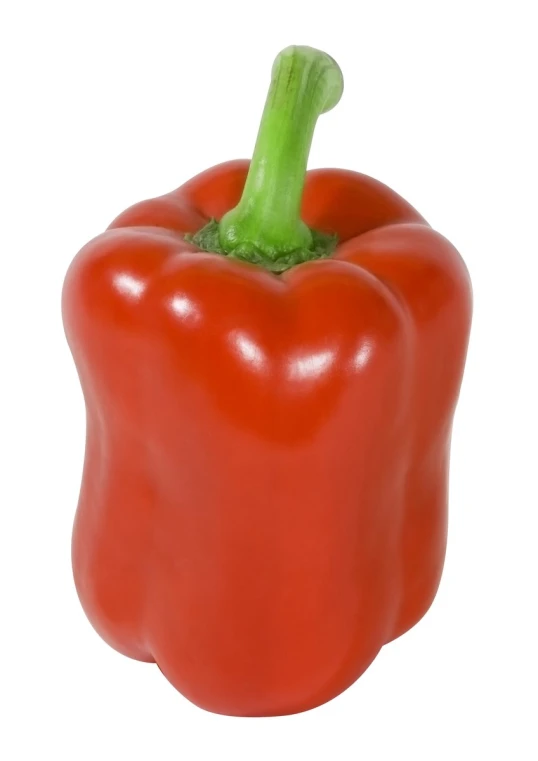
(266, 223)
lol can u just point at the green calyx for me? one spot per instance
(265, 227)
(208, 239)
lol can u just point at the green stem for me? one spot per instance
(266, 223)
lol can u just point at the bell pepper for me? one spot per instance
(270, 360)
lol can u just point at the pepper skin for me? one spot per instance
(264, 497)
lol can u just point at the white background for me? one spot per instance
(106, 103)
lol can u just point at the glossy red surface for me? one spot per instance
(264, 499)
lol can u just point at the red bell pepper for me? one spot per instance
(270, 363)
